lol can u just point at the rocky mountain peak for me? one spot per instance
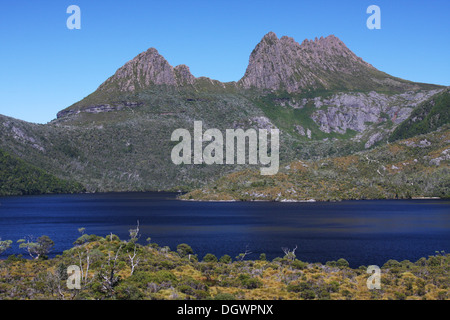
(183, 75)
(146, 69)
(287, 65)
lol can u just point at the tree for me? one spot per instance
(209, 257)
(225, 259)
(4, 245)
(134, 260)
(37, 249)
(108, 274)
(288, 254)
(342, 263)
(242, 256)
(134, 233)
(184, 249)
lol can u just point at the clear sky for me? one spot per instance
(45, 67)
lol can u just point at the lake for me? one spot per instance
(362, 232)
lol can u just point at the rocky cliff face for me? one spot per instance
(324, 63)
(147, 69)
(275, 64)
(356, 111)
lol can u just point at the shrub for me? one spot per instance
(400, 295)
(209, 257)
(392, 264)
(184, 249)
(308, 295)
(342, 263)
(128, 291)
(301, 286)
(300, 265)
(225, 259)
(249, 282)
(333, 286)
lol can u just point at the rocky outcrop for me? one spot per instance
(324, 63)
(99, 108)
(358, 111)
(147, 69)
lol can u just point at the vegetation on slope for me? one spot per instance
(20, 178)
(427, 117)
(416, 167)
(111, 268)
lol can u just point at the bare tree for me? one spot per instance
(242, 256)
(108, 273)
(289, 254)
(134, 260)
(134, 233)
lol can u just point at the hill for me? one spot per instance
(415, 167)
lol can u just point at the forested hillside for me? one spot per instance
(20, 178)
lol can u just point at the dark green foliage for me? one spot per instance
(225, 259)
(39, 248)
(209, 257)
(297, 264)
(427, 117)
(248, 282)
(342, 263)
(20, 178)
(184, 249)
(86, 238)
(308, 294)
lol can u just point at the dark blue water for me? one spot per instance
(363, 232)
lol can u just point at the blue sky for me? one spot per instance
(45, 67)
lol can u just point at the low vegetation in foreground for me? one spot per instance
(111, 268)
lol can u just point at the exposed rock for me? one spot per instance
(373, 139)
(262, 123)
(422, 144)
(325, 63)
(300, 130)
(146, 69)
(445, 156)
(99, 108)
(183, 75)
(255, 123)
(357, 111)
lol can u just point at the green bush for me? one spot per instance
(209, 257)
(248, 282)
(225, 259)
(342, 263)
(308, 295)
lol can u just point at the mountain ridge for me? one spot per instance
(118, 137)
(275, 64)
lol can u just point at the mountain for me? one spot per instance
(320, 64)
(325, 100)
